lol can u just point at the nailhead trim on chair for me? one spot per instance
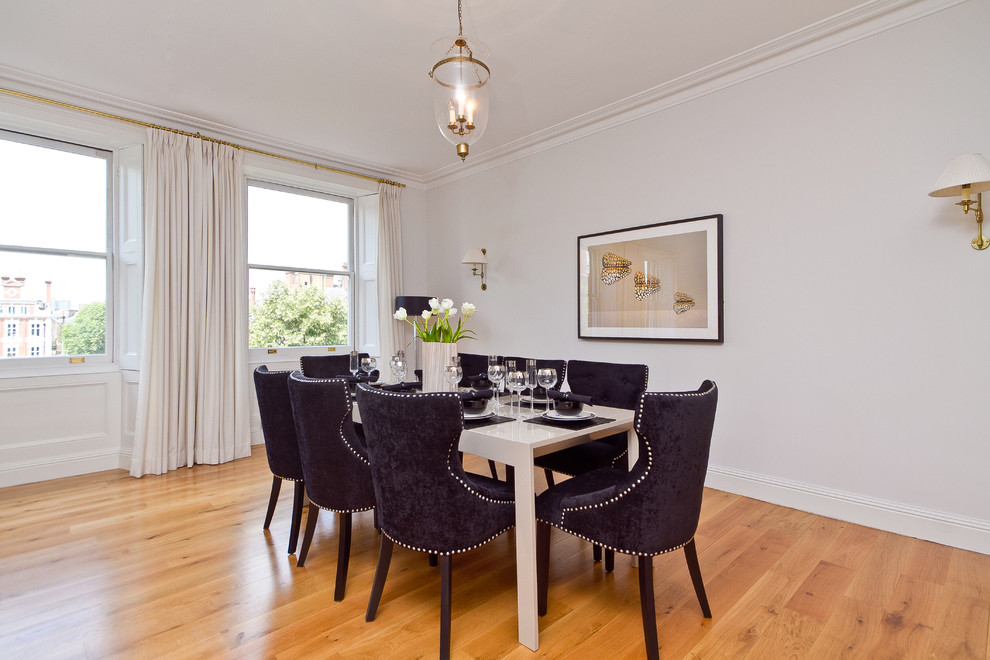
(608, 547)
(343, 421)
(285, 371)
(449, 552)
(367, 508)
(450, 452)
(649, 465)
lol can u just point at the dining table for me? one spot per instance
(516, 442)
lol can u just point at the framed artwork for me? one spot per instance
(660, 281)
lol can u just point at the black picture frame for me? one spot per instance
(660, 282)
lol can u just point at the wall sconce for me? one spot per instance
(475, 257)
(964, 175)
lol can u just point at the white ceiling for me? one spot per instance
(348, 78)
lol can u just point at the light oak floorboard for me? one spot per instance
(177, 566)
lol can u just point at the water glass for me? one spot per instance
(368, 365)
(531, 381)
(398, 366)
(496, 374)
(516, 382)
(355, 363)
(452, 374)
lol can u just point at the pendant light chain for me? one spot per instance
(460, 24)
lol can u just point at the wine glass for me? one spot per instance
(452, 373)
(547, 378)
(531, 382)
(496, 374)
(516, 382)
(355, 363)
(368, 365)
(398, 366)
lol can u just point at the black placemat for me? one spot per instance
(487, 421)
(574, 426)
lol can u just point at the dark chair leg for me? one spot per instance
(343, 555)
(691, 554)
(491, 466)
(381, 571)
(433, 559)
(445, 594)
(272, 500)
(510, 475)
(298, 499)
(648, 607)
(311, 518)
(549, 475)
(609, 560)
(596, 552)
(542, 566)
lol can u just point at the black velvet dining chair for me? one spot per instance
(472, 365)
(334, 461)
(608, 384)
(649, 510)
(326, 366)
(425, 500)
(281, 444)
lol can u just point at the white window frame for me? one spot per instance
(23, 365)
(313, 189)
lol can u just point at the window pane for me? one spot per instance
(297, 308)
(298, 230)
(52, 305)
(51, 198)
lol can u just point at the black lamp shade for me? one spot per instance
(414, 305)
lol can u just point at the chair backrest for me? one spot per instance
(655, 507)
(277, 424)
(425, 500)
(559, 365)
(608, 383)
(472, 364)
(336, 465)
(326, 366)
(675, 435)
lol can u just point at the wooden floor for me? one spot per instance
(178, 566)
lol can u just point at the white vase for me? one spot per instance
(436, 356)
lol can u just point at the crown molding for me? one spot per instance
(853, 25)
(69, 93)
(861, 22)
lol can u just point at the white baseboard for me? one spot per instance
(56, 467)
(930, 525)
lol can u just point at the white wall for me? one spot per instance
(854, 376)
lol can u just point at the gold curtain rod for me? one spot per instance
(138, 122)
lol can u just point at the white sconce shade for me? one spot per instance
(972, 170)
(475, 256)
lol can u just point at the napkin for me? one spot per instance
(570, 396)
(361, 377)
(476, 394)
(401, 387)
(479, 381)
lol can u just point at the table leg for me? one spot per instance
(526, 591)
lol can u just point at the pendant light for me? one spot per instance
(460, 90)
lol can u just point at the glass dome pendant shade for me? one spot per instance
(460, 90)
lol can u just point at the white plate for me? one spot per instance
(557, 417)
(529, 399)
(482, 415)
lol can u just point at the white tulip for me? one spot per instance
(400, 314)
(427, 313)
(434, 303)
(446, 304)
(467, 309)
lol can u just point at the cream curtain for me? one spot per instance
(193, 397)
(389, 271)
